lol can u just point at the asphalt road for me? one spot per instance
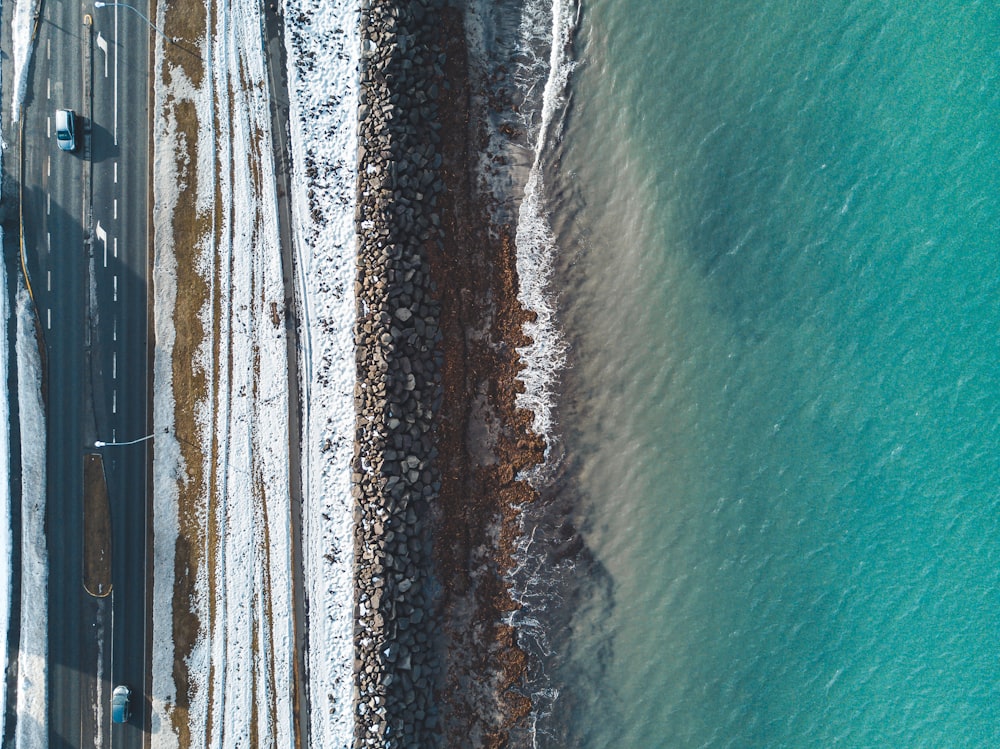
(85, 220)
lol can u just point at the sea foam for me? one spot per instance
(544, 65)
(536, 249)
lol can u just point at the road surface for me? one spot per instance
(85, 222)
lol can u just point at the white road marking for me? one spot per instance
(103, 44)
(116, 172)
(48, 240)
(48, 275)
(48, 49)
(114, 401)
(114, 330)
(48, 166)
(116, 287)
(114, 241)
(48, 318)
(48, 204)
(114, 365)
(102, 236)
(48, 127)
(115, 106)
(116, 207)
(48, 88)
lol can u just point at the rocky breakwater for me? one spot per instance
(398, 391)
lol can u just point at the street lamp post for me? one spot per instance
(99, 443)
(100, 4)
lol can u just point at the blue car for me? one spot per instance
(119, 704)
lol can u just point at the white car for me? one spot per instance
(65, 129)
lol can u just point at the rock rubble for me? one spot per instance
(398, 391)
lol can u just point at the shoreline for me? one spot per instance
(486, 441)
(441, 356)
(438, 438)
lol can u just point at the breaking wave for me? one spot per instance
(556, 576)
(536, 247)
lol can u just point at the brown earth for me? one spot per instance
(96, 528)
(185, 21)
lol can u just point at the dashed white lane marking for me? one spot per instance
(48, 318)
(48, 49)
(116, 207)
(114, 401)
(48, 241)
(116, 172)
(114, 330)
(48, 127)
(48, 88)
(114, 365)
(48, 204)
(48, 281)
(48, 166)
(116, 287)
(115, 240)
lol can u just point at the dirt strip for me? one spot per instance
(185, 21)
(96, 528)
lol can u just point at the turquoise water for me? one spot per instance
(777, 226)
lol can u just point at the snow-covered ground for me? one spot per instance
(241, 666)
(323, 45)
(31, 730)
(32, 673)
(23, 18)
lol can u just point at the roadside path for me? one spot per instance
(274, 29)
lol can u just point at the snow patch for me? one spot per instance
(22, 28)
(32, 674)
(241, 665)
(168, 466)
